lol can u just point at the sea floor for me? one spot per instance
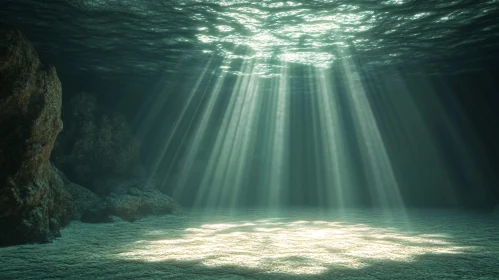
(257, 244)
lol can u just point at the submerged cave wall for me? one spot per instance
(33, 201)
(97, 149)
(96, 145)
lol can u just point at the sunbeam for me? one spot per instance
(277, 144)
(228, 162)
(243, 139)
(382, 182)
(180, 119)
(253, 127)
(200, 134)
(334, 149)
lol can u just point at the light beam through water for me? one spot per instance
(382, 182)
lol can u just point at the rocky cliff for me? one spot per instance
(96, 145)
(33, 202)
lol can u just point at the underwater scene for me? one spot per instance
(243, 139)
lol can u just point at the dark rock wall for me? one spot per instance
(98, 151)
(96, 144)
(130, 205)
(83, 198)
(33, 201)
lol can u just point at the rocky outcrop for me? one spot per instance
(96, 145)
(98, 152)
(130, 204)
(83, 198)
(33, 202)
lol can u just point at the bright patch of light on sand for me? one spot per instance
(300, 247)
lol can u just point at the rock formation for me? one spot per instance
(96, 145)
(98, 151)
(127, 200)
(83, 198)
(33, 202)
(130, 204)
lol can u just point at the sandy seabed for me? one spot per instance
(258, 244)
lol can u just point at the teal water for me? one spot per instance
(257, 244)
(121, 39)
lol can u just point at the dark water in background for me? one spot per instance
(132, 53)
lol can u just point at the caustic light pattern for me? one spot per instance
(291, 247)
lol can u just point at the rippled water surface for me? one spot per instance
(142, 37)
(254, 244)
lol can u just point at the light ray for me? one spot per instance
(229, 158)
(184, 140)
(337, 167)
(385, 191)
(245, 135)
(199, 135)
(180, 119)
(278, 140)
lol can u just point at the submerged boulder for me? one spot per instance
(110, 186)
(33, 202)
(130, 205)
(83, 198)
